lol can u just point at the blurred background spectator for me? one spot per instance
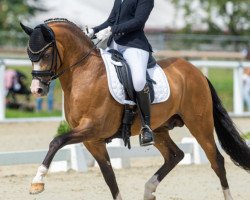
(246, 87)
(246, 80)
(49, 98)
(15, 84)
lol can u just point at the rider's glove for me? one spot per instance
(89, 32)
(104, 34)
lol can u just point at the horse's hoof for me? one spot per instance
(36, 188)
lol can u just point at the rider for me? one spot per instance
(124, 27)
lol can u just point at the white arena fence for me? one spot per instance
(78, 158)
(236, 66)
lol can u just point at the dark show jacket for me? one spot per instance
(127, 21)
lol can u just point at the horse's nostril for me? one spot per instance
(40, 90)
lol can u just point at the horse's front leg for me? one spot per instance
(77, 135)
(99, 152)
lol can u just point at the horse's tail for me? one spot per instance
(228, 135)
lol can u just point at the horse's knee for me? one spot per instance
(57, 142)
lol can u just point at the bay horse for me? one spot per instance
(95, 116)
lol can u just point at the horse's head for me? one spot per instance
(55, 47)
(43, 53)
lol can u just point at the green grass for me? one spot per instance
(222, 80)
(63, 128)
(11, 113)
(246, 136)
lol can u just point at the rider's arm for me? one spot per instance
(142, 13)
(109, 22)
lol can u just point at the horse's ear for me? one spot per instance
(26, 29)
(46, 32)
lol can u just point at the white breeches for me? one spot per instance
(137, 60)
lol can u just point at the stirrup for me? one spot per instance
(140, 136)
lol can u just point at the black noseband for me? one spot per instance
(41, 74)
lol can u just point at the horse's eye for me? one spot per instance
(46, 56)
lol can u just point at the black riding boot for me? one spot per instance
(146, 136)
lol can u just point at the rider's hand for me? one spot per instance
(104, 34)
(89, 32)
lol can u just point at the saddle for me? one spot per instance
(125, 78)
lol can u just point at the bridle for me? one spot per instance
(52, 72)
(39, 75)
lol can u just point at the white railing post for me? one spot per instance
(2, 91)
(204, 70)
(237, 89)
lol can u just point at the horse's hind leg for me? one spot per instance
(99, 152)
(172, 156)
(202, 129)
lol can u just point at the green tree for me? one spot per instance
(216, 16)
(11, 13)
(14, 11)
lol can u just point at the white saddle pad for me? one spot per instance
(161, 88)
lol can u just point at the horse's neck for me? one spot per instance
(75, 51)
(83, 74)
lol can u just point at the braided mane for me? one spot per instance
(62, 20)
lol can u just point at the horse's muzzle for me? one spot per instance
(38, 89)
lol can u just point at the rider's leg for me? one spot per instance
(138, 60)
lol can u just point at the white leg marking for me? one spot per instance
(227, 194)
(41, 173)
(150, 187)
(118, 197)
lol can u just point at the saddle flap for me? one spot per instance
(117, 90)
(124, 74)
